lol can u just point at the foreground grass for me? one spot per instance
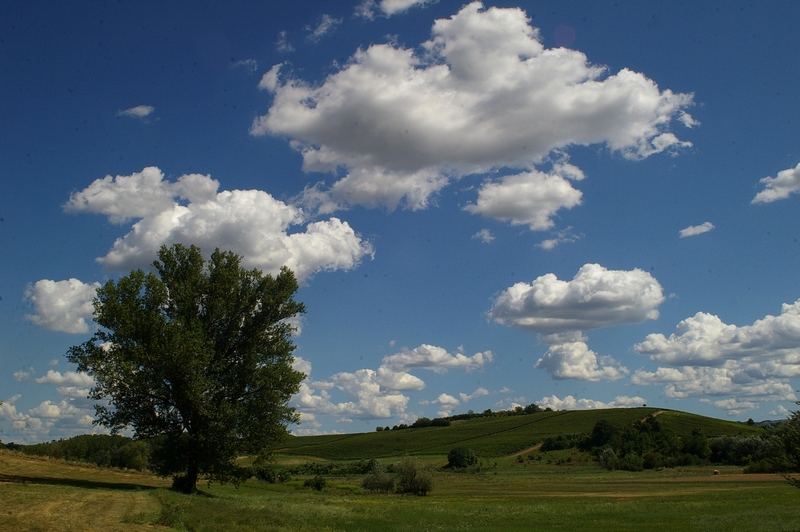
(44, 495)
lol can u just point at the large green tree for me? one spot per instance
(197, 359)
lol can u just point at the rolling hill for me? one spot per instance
(498, 436)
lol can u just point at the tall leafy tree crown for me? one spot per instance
(198, 359)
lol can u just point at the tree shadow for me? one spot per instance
(75, 482)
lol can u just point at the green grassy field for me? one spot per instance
(513, 488)
(38, 494)
(497, 436)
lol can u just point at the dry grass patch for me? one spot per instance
(44, 494)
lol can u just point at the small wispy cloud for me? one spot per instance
(564, 236)
(282, 44)
(326, 25)
(693, 230)
(140, 111)
(250, 65)
(484, 235)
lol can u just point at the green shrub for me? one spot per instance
(377, 480)
(461, 457)
(766, 466)
(411, 478)
(318, 483)
(266, 473)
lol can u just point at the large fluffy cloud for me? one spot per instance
(734, 379)
(64, 306)
(435, 359)
(530, 198)
(705, 340)
(485, 94)
(708, 357)
(595, 297)
(787, 182)
(251, 223)
(574, 360)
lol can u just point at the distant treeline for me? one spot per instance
(645, 445)
(446, 421)
(100, 449)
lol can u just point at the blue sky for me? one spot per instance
(577, 204)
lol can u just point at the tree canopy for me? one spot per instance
(197, 358)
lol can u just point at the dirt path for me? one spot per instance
(734, 477)
(528, 450)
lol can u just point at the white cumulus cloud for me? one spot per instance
(693, 230)
(377, 394)
(65, 306)
(436, 359)
(71, 378)
(531, 198)
(140, 111)
(574, 360)
(571, 403)
(596, 297)
(708, 357)
(787, 182)
(705, 340)
(368, 8)
(484, 94)
(251, 223)
(480, 392)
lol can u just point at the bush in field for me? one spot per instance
(608, 459)
(318, 483)
(377, 480)
(461, 457)
(411, 478)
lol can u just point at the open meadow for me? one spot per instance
(44, 494)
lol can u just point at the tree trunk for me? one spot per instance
(187, 483)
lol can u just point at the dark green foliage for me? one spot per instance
(601, 434)
(318, 483)
(197, 359)
(744, 450)
(503, 435)
(377, 479)
(100, 449)
(697, 445)
(461, 457)
(562, 441)
(411, 478)
(789, 436)
(421, 422)
(266, 473)
(645, 445)
(356, 467)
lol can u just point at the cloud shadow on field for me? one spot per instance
(74, 482)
